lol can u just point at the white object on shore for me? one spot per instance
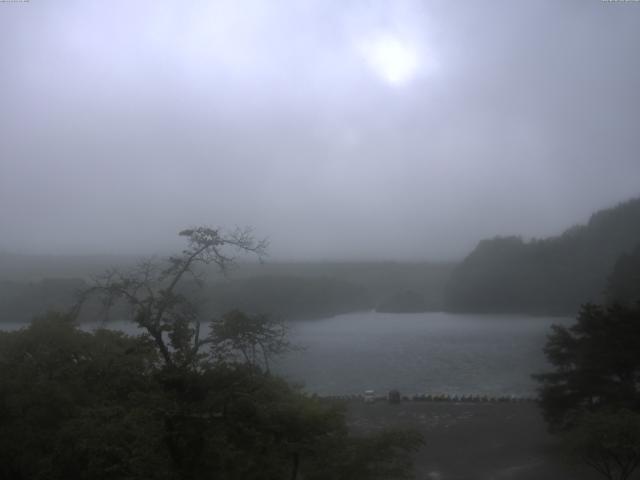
(369, 396)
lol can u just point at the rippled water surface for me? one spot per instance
(419, 353)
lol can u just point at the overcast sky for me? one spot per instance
(339, 129)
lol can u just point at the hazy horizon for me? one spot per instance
(284, 259)
(357, 130)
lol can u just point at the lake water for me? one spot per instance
(419, 353)
(415, 353)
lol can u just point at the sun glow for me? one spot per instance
(393, 60)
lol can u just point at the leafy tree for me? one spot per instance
(597, 365)
(72, 404)
(593, 395)
(609, 442)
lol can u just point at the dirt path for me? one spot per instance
(474, 441)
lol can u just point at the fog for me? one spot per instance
(340, 130)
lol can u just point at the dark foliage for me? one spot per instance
(596, 365)
(289, 297)
(20, 302)
(592, 398)
(609, 442)
(251, 339)
(75, 404)
(624, 282)
(555, 275)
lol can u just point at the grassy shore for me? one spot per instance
(474, 441)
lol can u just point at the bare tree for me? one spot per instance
(151, 290)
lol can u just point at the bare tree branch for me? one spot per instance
(150, 289)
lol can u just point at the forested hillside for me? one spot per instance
(286, 290)
(553, 275)
(288, 297)
(20, 302)
(624, 283)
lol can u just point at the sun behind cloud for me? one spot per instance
(392, 59)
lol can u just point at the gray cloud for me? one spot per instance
(123, 122)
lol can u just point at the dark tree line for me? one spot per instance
(554, 275)
(624, 282)
(290, 297)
